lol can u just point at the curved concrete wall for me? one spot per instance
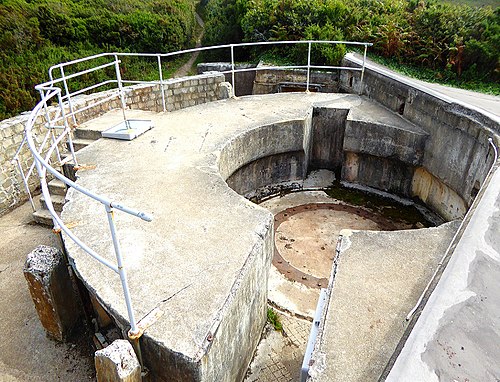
(456, 155)
(266, 155)
(440, 156)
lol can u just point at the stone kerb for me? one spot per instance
(179, 93)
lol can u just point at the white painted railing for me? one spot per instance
(59, 131)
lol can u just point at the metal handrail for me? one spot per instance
(42, 163)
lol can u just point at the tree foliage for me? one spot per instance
(456, 41)
(37, 34)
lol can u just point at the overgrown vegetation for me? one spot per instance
(454, 43)
(37, 34)
(274, 319)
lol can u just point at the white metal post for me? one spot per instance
(232, 70)
(363, 71)
(308, 65)
(120, 88)
(121, 270)
(25, 181)
(67, 129)
(161, 84)
(66, 89)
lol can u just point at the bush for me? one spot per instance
(37, 34)
(457, 42)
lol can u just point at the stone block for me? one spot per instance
(225, 90)
(117, 363)
(52, 291)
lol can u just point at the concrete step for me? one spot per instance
(87, 133)
(43, 217)
(57, 187)
(57, 201)
(80, 143)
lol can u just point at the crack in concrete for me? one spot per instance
(3, 270)
(168, 143)
(204, 138)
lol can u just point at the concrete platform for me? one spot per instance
(379, 279)
(204, 260)
(458, 332)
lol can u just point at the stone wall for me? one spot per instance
(270, 80)
(179, 93)
(243, 81)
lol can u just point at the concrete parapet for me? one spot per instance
(117, 363)
(52, 291)
(243, 80)
(456, 150)
(285, 80)
(387, 141)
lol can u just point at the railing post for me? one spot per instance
(363, 71)
(308, 65)
(161, 84)
(49, 124)
(67, 129)
(232, 70)
(121, 270)
(120, 88)
(25, 182)
(66, 89)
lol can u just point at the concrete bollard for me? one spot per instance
(117, 363)
(52, 291)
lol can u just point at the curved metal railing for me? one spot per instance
(47, 154)
(42, 164)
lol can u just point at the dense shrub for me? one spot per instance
(457, 42)
(37, 34)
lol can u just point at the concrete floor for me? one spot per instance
(26, 354)
(279, 355)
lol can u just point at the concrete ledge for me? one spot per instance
(372, 293)
(457, 333)
(205, 258)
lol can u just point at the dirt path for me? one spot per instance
(186, 68)
(26, 354)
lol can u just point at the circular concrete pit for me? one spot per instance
(205, 260)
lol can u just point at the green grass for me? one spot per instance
(475, 3)
(274, 319)
(436, 76)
